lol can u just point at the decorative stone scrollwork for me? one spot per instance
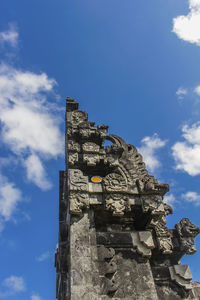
(114, 182)
(90, 147)
(187, 231)
(117, 203)
(73, 146)
(181, 275)
(78, 116)
(91, 159)
(73, 158)
(78, 202)
(77, 182)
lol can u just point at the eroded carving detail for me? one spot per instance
(78, 202)
(90, 147)
(77, 181)
(78, 116)
(114, 182)
(73, 158)
(187, 231)
(73, 146)
(91, 159)
(110, 268)
(117, 203)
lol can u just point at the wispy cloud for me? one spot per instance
(10, 36)
(181, 92)
(170, 199)
(36, 172)
(12, 285)
(10, 196)
(187, 153)
(192, 197)
(197, 90)
(43, 256)
(187, 27)
(36, 297)
(149, 148)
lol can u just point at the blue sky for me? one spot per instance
(133, 65)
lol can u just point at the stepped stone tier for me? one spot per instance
(113, 238)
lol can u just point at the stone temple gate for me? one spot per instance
(113, 238)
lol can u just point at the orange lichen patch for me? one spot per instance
(96, 179)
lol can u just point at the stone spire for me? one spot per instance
(113, 238)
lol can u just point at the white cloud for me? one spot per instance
(30, 124)
(188, 27)
(187, 153)
(150, 145)
(10, 196)
(192, 197)
(36, 173)
(11, 286)
(15, 283)
(9, 36)
(35, 297)
(43, 256)
(181, 92)
(197, 90)
(170, 199)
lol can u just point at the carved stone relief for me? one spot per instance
(78, 202)
(154, 204)
(114, 182)
(73, 146)
(187, 231)
(90, 147)
(91, 159)
(163, 235)
(78, 116)
(117, 204)
(77, 182)
(73, 158)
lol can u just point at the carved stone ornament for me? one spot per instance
(187, 231)
(114, 182)
(143, 242)
(117, 204)
(77, 182)
(90, 147)
(78, 202)
(73, 146)
(150, 185)
(181, 275)
(91, 159)
(78, 116)
(154, 204)
(73, 158)
(163, 235)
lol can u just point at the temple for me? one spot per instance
(113, 238)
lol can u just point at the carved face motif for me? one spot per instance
(188, 229)
(78, 116)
